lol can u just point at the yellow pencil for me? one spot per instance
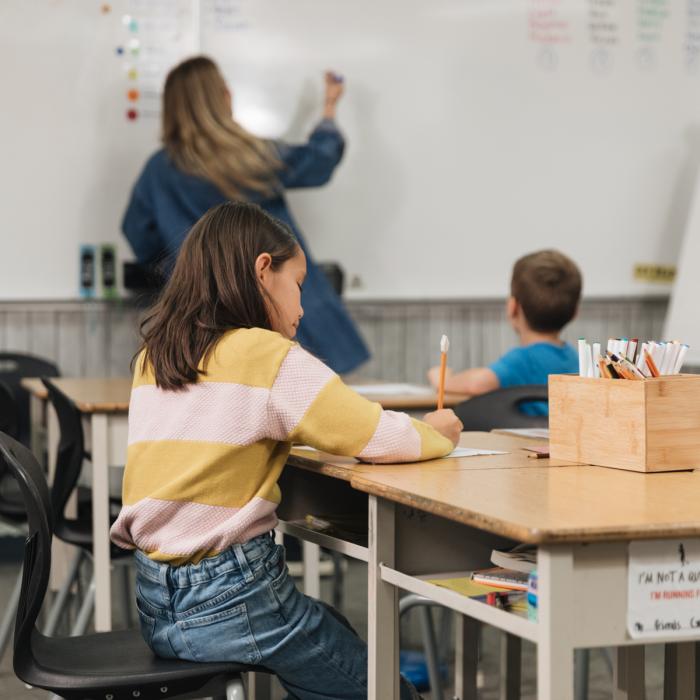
(444, 347)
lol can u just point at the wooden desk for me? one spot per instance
(582, 519)
(105, 403)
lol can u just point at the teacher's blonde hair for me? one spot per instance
(202, 138)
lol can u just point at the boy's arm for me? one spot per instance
(479, 380)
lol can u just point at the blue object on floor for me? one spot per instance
(413, 666)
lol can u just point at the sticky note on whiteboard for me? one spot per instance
(663, 589)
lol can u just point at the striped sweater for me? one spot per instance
(203, 463)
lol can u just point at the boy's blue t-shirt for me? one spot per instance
(532, 364)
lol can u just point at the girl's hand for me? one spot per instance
(334, 90)
(446, 423)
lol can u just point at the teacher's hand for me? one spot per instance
(334, 90)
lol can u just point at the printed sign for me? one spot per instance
(664, 589)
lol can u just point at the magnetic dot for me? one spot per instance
(132, 74)
(133, 94)
(132, 115)
(133, 25)
(106, 8)
(120, 50)
(126, 20)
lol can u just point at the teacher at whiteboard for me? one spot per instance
(208, 158)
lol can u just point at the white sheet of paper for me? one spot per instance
(457, 452)
(472, 452)
(392, 390)
(538, 433)
(663, 589)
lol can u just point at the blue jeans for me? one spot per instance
(242, 606)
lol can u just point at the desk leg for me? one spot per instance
(100, 522)
(311, 557)
(555, 653)
(466, 657)
(383, 618)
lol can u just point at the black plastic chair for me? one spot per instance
(11, 506)
(113, 665)
(9, 411)
(13, 368)
(501, 409)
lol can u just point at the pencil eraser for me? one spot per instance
(444, 344)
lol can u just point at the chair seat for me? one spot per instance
(116, 663)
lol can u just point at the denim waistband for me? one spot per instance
(240, 558)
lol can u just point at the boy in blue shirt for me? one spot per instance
(544, 297)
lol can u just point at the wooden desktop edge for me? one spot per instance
(497, 526)
(37, 389)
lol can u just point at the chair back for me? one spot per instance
(13, 368)
(501, 409)
(21, 464)
(71, 449)
(9, 413)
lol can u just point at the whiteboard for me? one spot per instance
(477, 130)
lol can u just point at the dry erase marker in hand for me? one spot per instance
(444, 347)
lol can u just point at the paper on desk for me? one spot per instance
(538, 433)
(472, 452)
(457, 452)
(392, 390)
(663, 588)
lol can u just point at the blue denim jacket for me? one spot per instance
(165, 203)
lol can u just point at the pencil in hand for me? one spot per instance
(444, 347)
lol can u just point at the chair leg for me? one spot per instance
(127, 598)
(235, 690)
(59, 603)
(431, 655)
(338, 579)
(7, 624)
(429, 644)
(511, 651)
(85, 612)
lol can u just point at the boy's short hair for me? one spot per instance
(547, 285)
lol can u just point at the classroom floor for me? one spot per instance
(355, 584)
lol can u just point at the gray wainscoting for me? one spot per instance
(98, 338)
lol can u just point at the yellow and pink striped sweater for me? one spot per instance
(203, 463)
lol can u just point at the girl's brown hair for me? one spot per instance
(202, 138)
(213, 289)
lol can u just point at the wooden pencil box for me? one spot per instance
(651, 425)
